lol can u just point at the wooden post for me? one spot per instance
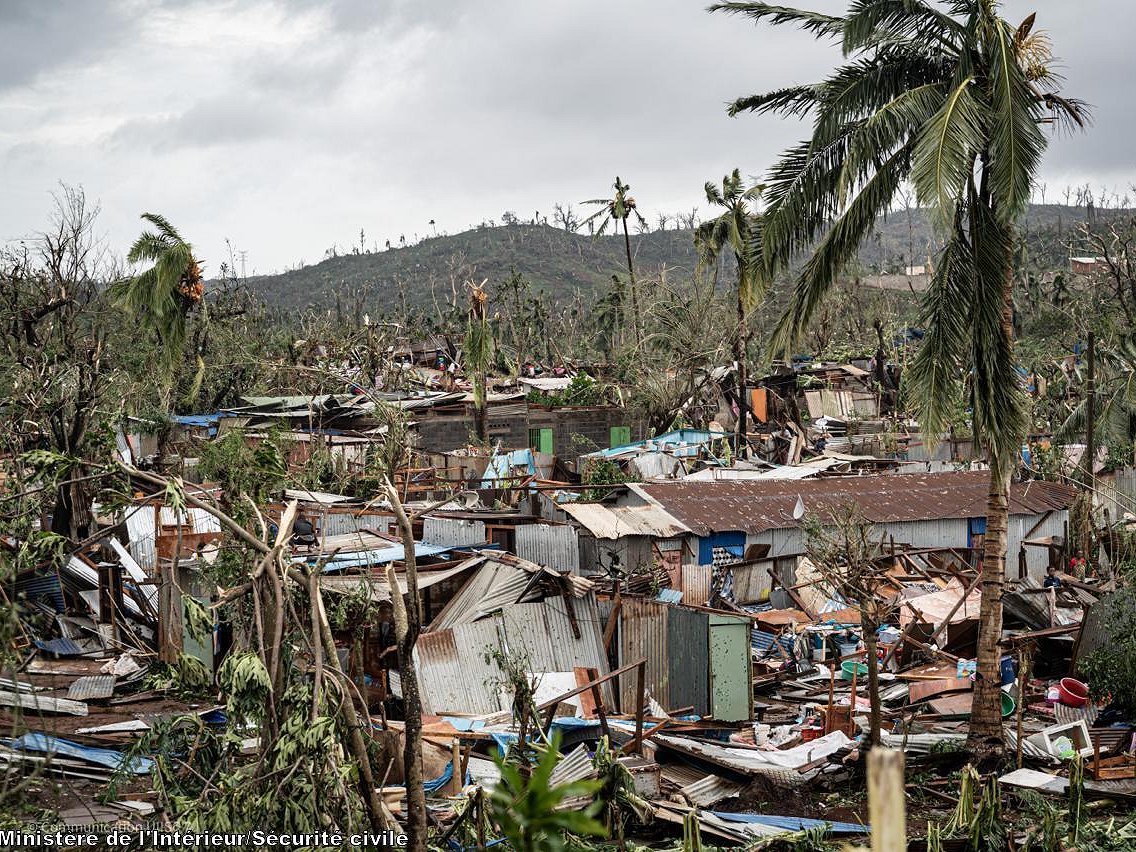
(886, 800)
(640, 700)
(457, 779)
(852, 701)
(1024, 665)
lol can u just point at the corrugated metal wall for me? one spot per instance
(1037, 558)
(688, 653)
(548, 544)
(752, 583)
(452, 531)
(345, 523)
(696, 584)
(454, 676)
(643, 633)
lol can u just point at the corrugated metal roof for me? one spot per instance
(711, 790)
(91, 686)
(757, 506)
(613, 522)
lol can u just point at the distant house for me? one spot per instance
(1087, 265)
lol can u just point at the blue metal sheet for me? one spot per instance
(790, 823)
(109, 758)
(382, 556)
(671, 596)
(43, 587)
(59, 647)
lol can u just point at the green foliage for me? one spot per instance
(187, 678)
(600, 471)
(525, 807)
(582, 390)
(162, 296)
(1110, 670)
(244, 466)
(246, 686)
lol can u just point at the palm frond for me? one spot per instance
(1016, 140)
(872, 22)
(838, 247)
(794, 101)
(946, 151)
(816, 23)
(935, 377)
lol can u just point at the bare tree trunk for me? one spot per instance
(741, 444)
(407, 626)
(634, 290)
(870, 657)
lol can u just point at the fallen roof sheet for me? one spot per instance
(613, 522)
(109, 758)
(42, 703)
(757, 506)
(91, 686)
(752, 761)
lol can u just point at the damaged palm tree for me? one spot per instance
(737, 230)
(954, 99)
(847, 557)
(619, 208)
(163, 296)
(478, 354)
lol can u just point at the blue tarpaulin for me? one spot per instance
(109, 758)
(502, 465)
(790, 823)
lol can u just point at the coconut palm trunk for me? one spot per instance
(740, 341)
(986, 738)
(631, 283)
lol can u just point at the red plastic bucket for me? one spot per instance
(1072, 692)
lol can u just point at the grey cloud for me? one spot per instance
(39, 36)
(210, 123)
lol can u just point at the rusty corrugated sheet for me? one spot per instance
(453, 676)
(696, 584)
(612, 522)
(555, 546)
(91, 686)
(757, 506)
(643, 633)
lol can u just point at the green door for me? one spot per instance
(620, 436)
(731, 685)
(541, 440)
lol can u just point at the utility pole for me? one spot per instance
(244, 257)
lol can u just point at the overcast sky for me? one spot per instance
(287, 125)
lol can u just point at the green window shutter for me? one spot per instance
(620, 435)
(545, 445)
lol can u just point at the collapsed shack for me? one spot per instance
(732, 666)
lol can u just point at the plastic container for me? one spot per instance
(1008, 673)
(1008, 705)
(811, 732)
(1072, 692)
(848, 667)
(847, 649)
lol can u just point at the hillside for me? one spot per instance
(559, 263)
